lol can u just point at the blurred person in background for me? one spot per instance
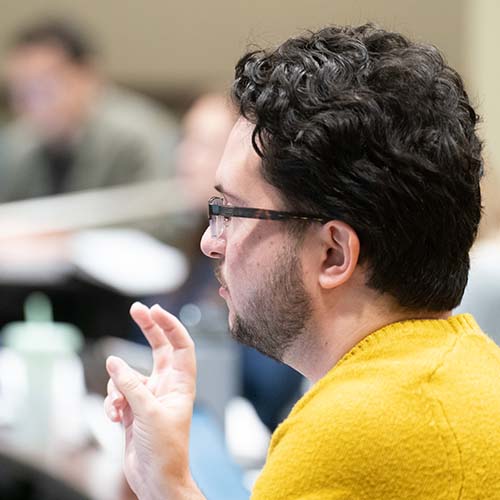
(349, 201)
(73, 129)
(271, 387)
(204, 130)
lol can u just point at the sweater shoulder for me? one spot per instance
(392, 413)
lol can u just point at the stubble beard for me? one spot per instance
(278, 312)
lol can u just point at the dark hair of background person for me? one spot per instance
(60, 33)
(365, 126)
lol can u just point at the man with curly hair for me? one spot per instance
(349, 201)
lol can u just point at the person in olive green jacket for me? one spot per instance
(73, 130)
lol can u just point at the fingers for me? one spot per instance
(115, 404)
(142, 316)
(172, 347)
(159, 343)
(112, 413)
(174, 330)
(114, 395)
(183, 360)
(129, 384)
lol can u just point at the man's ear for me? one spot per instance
(340, 253)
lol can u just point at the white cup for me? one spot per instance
(51, 385)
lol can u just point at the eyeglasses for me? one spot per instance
(220, 214)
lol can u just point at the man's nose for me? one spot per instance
(212, 247)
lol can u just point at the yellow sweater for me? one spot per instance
(412, 412)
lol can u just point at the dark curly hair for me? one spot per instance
(365, 126)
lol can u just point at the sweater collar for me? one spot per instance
(417, 328)
(461, 323)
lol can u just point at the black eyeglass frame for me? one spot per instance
(228, 211)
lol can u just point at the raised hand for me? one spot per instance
(156, 411)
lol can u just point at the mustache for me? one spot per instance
(218, 274)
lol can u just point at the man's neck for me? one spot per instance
(337, 330)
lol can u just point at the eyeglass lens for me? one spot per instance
(216, 221)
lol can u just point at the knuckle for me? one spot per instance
(129, 384)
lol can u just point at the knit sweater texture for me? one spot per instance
(411, 412)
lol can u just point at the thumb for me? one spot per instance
(129, 384)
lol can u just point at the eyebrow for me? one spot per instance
(221, 190)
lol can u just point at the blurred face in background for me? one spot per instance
(205, 130)
(48, 90)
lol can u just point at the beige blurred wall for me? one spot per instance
(164, 44)
(482, 70)
(173, 49)
(482, 67)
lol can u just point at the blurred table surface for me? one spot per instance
(89, 472)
